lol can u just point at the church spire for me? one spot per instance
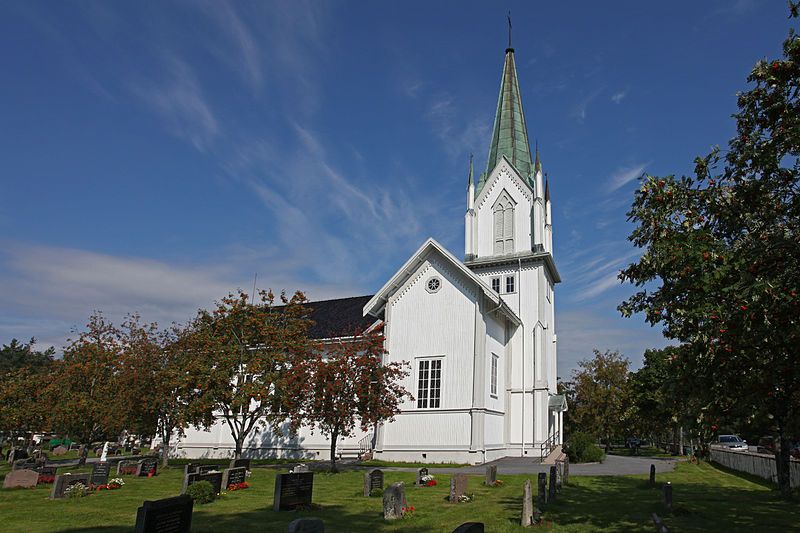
(510, 134)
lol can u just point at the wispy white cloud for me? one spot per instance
(248, 59)
(619, 96)
(580, 110)
(460, 132)
(180, 102)
(624, 175)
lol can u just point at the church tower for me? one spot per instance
(508, 244)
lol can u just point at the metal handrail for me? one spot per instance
(365, 445)
(548, 446)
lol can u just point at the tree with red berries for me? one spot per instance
(350, 387)
(248, 362)
(721, 263)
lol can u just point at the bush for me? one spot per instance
(581, 448)
(201, 492)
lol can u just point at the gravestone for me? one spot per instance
(660, 526)
(373, 480)
(170, 515)
(125, 468)
(421, 473)
(233, 476)
(552, 493)
(47, 474)
(293, 490)
(527, 504)
(470, 527)
(23, 478)
(652, 475)
(215, 478)
(394, 500)
(458, 486)
(491, 475)
(100, 473)
(668, 495)
(60, 450)
(28, 463)
(205, 469)
(64, 481)
(306, 525)
(559, 475)
(189, 468)
(300, 467)
(240, 463)
(566, 470)
(147, 467)
(541, 498)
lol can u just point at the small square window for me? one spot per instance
(510, 284)
(496, 285)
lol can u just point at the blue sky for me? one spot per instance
(155, 155)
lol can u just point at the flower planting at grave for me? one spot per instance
(466, 498)
(408, 512)
(238, 486)
(114, 484)
(428, 481)
(78, 490)
(46, 479)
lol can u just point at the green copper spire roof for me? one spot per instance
(510, 134)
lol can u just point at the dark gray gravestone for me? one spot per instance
(64, 481)
(394, 500)
(127, 468)
(28, 463)
(100, 473)
(170, 515)
(47, 474)
(215, 478)
(668, 495)
(22, 478)
(470, 527)
(189, 468)
(652, 475)
(306, 525)
(233, 476)
(566, 470)
(527, 504)
(551, 495)
(204, 469)
(541, 498)
(147, 467)
(559, 475)
(458, 486)
(491, 475)
(188, 479)
(293, 491)
(240, 463)
(422, 472)
(373, 480)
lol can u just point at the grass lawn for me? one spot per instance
(406, 464)
(706, 499)
(644, 451)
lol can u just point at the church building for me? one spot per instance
(479, 333)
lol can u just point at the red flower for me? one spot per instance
(713, 427)
(775, 65)
(743, 307)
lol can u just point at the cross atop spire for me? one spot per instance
(509, 31)
(510, 134)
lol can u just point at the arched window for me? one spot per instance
(503, 218)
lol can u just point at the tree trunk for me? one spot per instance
(783, 464)
(83, 452)
(334, 436)
(237, 454)
(165, 435)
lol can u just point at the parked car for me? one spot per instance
(766, 445)
(733, 442)
(633, 442)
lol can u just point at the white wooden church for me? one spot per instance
(479, 333)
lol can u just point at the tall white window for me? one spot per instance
(429, 383)
(496, 285)
(510, 284)
(503, 218)
(493, 387)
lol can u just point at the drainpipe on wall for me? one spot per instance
(522, 325)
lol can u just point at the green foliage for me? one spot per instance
(582, 448)
(601, 397)
(721, 264)
(16, 355)
(201, 492)
(376, 492)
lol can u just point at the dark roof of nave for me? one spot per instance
(339, 318)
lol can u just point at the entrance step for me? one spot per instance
(556, 455)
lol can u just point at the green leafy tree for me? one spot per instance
(247, 363)
(602, 404)
(350, 387)
(17, 355)
(721, 262)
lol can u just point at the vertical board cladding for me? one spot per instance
(429, 429)
(436, 324)
(522, 212)
(494, 430)
(495, 345)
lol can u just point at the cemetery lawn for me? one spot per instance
(644, 451)
(706, 499)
